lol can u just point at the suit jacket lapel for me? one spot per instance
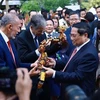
(80, 51)
(30, 39)
(6, 49)
(41, 38)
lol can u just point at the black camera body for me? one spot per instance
(8, 79)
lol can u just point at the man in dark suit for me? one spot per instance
(49, 32)
(73, 19)
(28, 41)
(10, 26)
(81, 68)
(59, 55)
(27, 48)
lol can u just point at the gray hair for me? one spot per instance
(38, 21)
(8, 19)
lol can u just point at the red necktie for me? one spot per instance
(73, 53)
(11, 51)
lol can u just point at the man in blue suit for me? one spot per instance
(10, 26)
(73, 19)
(81, 68)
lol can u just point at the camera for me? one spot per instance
(8, 79)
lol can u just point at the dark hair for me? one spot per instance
(97, 7)
(89, 16)
(44, 10)
(84, 9)
(21, 16)
(67, 11)
(73, 13)
(73, 91)
(50, 19)
(82, 28)
(12, 8)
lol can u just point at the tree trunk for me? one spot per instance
(7, 5)
(79, 2)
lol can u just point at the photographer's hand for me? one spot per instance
(23, 84)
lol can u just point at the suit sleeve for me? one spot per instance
(25, 54)
(86, 68)
(2, 61)
(52, 49)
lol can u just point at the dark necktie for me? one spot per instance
(36, 42)
(73, 53)
(11, 51)
(49, 35)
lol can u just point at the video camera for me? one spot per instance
(8, 79)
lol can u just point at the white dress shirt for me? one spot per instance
(6, 39)
(36, 51)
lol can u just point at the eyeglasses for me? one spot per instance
(74, 19)
(74, 35)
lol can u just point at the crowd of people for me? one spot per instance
(72, 60)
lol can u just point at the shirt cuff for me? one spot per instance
(53, 76)
(37, 52)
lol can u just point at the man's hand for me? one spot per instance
(23, 84)
(34, 71)
(34, 64)
(49, 72)
(50, 62)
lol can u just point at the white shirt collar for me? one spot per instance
(32, 33)
(48, 34)
(6, 39)
(78, 48)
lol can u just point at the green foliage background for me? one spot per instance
(47, 4)
(28, 5)
(90, 3)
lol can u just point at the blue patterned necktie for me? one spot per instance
(36, 42)
(49, 36)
